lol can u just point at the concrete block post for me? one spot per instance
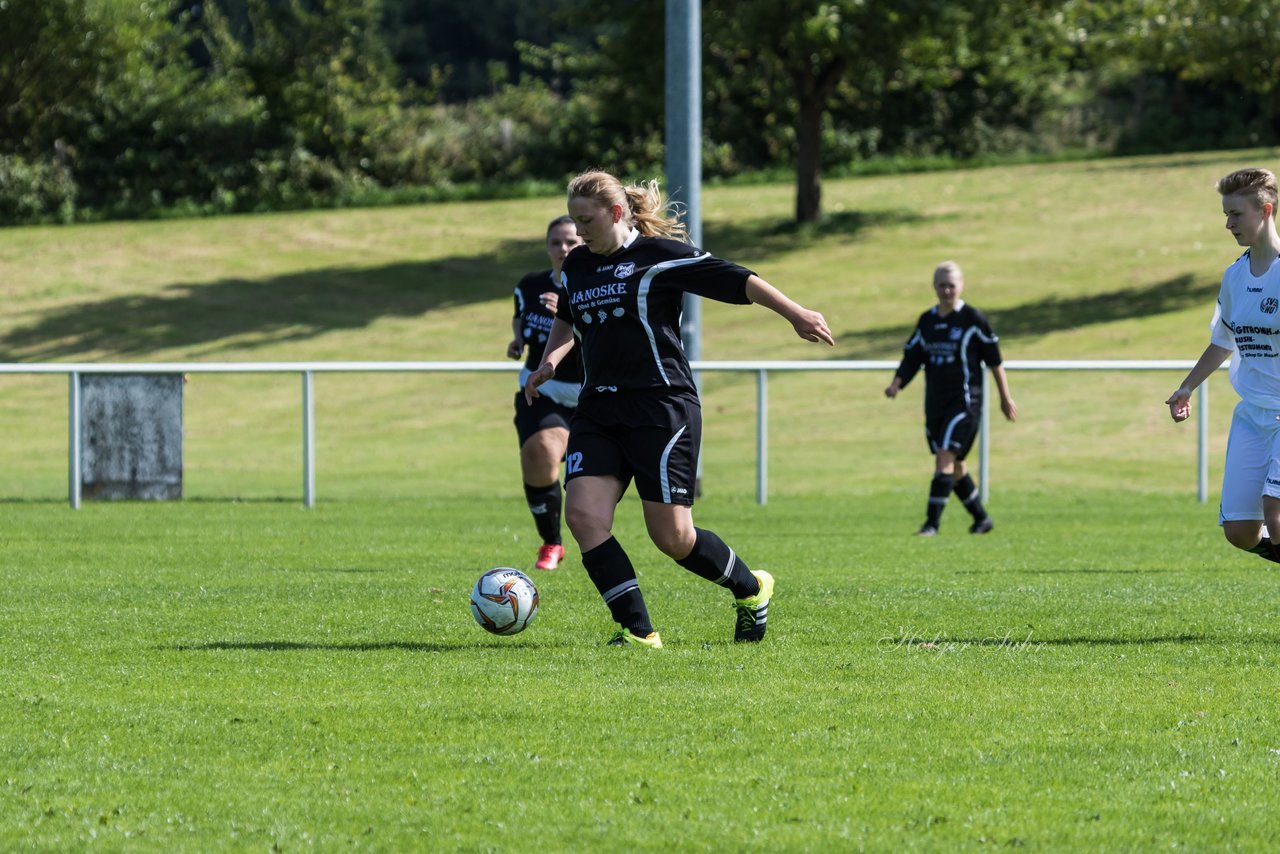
(131, 436)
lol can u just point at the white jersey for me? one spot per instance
(1246, 322)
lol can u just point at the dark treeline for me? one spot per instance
(125, 108)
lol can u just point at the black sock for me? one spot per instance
(544, 504)
(939, 492)
(967, 491)
(613, 575)
(1266, 550)
(713, 560)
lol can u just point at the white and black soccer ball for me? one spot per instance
(504, 601)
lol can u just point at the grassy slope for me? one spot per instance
(1111, 259)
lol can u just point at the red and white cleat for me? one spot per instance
(549, 556)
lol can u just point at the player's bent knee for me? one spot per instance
(1242, 535)
(586, 524)
(675, 544)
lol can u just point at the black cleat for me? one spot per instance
(982, 526)
(927, 531)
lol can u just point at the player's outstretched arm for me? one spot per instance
(1210, 360)
(1007, 406)
(516, 346)
(559, 343)
(808, 324)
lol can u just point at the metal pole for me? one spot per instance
(984, 442)
(762, 437)
(1202, 443)
(683, 142)
(308, 440)
(74, 463)
(683, 139)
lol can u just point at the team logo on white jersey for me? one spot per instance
(1269, 305)
(625, 269)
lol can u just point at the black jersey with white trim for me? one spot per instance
(535, 324)
(952, 350)
(625, 310)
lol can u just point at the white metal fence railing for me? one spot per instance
(307, 371)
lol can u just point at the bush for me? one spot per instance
(31, 192)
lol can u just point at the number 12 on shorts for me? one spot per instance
(573, 463)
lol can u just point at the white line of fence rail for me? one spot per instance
(762, 369)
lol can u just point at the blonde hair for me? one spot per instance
(1254, 180)
(948, 267)
(650, 212)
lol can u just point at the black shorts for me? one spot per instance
(543, 414)
(952, 431)
(653, 439)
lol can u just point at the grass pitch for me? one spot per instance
(234, 672)
(212, 676)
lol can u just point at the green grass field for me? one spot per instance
(234, 672)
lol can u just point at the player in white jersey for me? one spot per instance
(1246, 328)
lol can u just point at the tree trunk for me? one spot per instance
(809, 159)
(813, 90)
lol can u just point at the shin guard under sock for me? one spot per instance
(544, 504)
(613, 575)
(967, 491)
(713, 560)
(939, 492)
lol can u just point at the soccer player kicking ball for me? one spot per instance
(639, 417)
(952, 341)
(1246, 326)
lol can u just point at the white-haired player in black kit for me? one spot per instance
(952, 341)
(1246, 327)
(542, 426)
(639, 417)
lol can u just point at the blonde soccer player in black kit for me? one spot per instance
(952, 341)
(639, 417)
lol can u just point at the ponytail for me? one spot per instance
(648, 210)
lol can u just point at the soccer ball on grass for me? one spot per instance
(504, 601)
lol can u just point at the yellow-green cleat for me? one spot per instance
(753, 611)
(624, 637)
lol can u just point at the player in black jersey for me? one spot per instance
(952, 341)
(542, 425)
(639, 417)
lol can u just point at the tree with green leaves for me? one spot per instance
(850, 55)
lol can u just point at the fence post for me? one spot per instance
(762, 437)
(73, 439)
(308, 440)
(984, 441)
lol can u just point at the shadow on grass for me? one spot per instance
(1086, 571)
(1012, 641)
(1051, 314)
(245, 313)
(302, 646)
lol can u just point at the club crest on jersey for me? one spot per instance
(1269, 305)
(625, 269)
(956, 333)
